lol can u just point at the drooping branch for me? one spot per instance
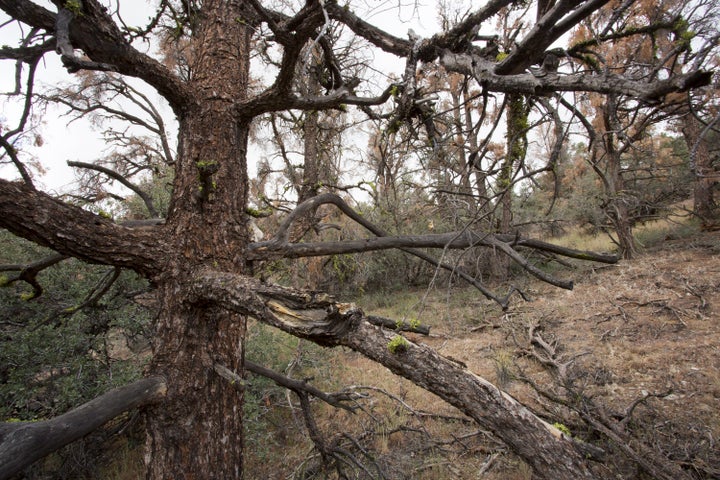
(72, 231)
(147, 199)
(23, 443)
(12, 153)
(451, 240)
(281, 240)
(322, 320)
(280, 247)
(275, 100)
(28, 272)
(92, 297)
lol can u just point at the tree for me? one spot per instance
(618, 124)
(200, 259)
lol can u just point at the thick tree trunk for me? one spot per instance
(197, 432)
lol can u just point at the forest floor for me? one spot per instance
(638, 341)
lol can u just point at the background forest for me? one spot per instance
(587, 171)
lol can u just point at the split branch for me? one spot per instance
(321, 319)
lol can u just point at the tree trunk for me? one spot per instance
(516, 147)
(706, 178)
(197, 432)
(617, 203)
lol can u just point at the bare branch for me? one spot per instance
(102, 41)
(147, 199)
(301, 387)
(279, 246)
(10, 150)
(526, 83)
(548, 29)
(91, 299)
(23, 443)
(28, 272)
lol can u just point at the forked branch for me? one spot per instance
(281, 247)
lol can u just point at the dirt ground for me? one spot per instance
(640, 341)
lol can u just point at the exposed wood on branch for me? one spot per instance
(320, 319)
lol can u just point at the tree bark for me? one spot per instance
(617, 202)
(197, 432)
(706, 178)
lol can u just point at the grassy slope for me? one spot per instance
(646, 326)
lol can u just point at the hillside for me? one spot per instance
(635, 346)
(638, 345)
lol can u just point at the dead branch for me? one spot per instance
(147, 199)
(303, 388)
(97, 292)
(593, 414)
(280, 246)
(28, 272)
(322, 320)
(23, 443)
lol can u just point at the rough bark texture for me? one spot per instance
(197, 259)
(198, 429)
(76, 232)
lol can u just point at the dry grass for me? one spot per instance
(646, 326)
